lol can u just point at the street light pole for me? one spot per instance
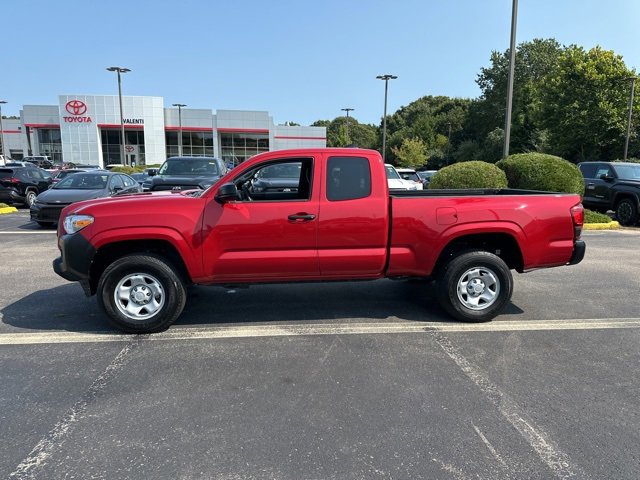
(512, 66)
(121, 70)
(179, 105)
(4, 145)
(347, 124)
(626, 142)
(386, 79)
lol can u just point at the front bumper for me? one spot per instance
(74, 263)
(579, 249)
(10, 195)
(45, 212)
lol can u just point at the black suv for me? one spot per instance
(186, 173)
(22, 184)
(612, 186)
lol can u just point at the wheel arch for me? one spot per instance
(110, 252)
(501, 244)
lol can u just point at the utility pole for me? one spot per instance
(179, 105)
(626, 141)
(512, 66)
(386, 79)
(121, 70)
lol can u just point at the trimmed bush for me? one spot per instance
(539, 171)
(474, 174)
(594, 217)
(129, 170)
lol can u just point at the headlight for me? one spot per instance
(75, 223)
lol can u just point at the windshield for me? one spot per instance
(285, 170)
(628, 172)
(392, 174)
(83, 181)
(189, 166)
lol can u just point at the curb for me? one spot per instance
(601, 226)
(4, 210)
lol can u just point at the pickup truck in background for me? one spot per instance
(612, 186)
(185, 173)
(138, 253)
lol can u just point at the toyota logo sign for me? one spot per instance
(129, 148)
(76, 107)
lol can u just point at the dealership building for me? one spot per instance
(86, 129)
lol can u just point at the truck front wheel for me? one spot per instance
(474, 286)
(141, 293)
(627, 212)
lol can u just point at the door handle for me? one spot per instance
(301, 217)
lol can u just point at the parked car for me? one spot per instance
(410, 175)
(61, 174)
(140, 177)
(4, 159)
(395, 180)
(41, 161)
(612, 186)
(139, 253)
(186, 173)
(275, 182)
(426, 176)
(77, 187)
(22, 184)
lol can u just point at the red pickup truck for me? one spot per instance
(311, 215)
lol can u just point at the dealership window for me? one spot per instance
(197, 144)
(237, 147)
(112, 146)
(50, 143)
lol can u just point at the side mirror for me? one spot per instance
(116, 190)
(607, 178)
(227, 193)
(152, 172)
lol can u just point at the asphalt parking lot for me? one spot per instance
(332, 381)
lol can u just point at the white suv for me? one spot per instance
(395, 181)
(410, 175)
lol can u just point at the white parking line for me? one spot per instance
(25, 232)
(248, 331)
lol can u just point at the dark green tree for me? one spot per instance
(534, 62)
(583, 104)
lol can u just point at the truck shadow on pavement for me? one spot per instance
(65, 308)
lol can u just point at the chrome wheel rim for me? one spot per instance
(31, 197)
(478, 288)
(139, 296)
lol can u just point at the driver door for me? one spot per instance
(266, 238)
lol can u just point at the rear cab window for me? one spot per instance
(348, 178)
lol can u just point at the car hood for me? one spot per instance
(61, 196)
(189, 180)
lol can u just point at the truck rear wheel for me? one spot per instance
(141, 293)
(627, 212)
(474, 286)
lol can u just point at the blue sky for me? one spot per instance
(299, 60)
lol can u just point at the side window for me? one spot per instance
(283, 180)
(603, 171)
(128, 181)
(588, 170)
(35, 174)
(116, 181)
(348, 178)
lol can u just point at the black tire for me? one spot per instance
(483, 271)
(627, 212)
(166, 292)
(30, 198)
